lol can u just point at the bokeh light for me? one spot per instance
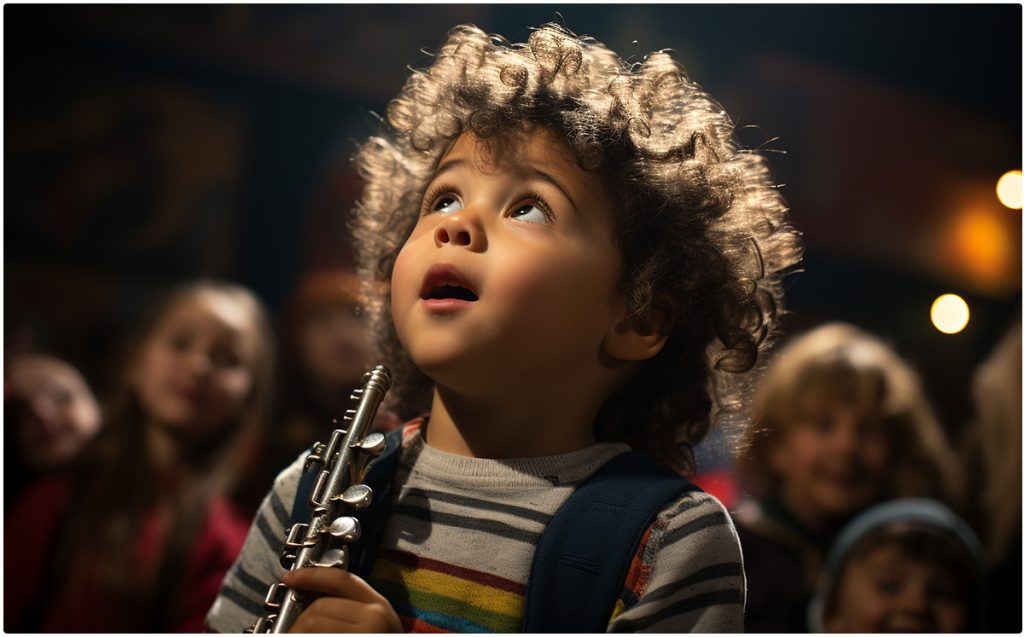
(982, 244)
(1008, 189)
(950, 314)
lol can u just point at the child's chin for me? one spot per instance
(443, 370)
(844, 504)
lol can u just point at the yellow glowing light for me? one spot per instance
(1009, 189)
(950, 314)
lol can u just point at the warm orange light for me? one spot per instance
(950, 314)
(1009, 189)
(982, 244)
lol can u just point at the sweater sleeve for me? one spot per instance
(240, 599)
(687, 575)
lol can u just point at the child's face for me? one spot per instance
(194, 372)
(832, 465)
(60, 413)
(886, 591)
(529, 235)
(334, 347)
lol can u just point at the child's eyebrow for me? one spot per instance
(447, 165)
(557, 184)
(532, 171)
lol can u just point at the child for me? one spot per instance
(578, 257)
(138, 538)
(992, 443)
(906, 566)
(840, 423)
(51, 414)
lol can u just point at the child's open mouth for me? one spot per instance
(445, 287)
(452, 291)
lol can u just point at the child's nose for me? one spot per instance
(914, 599)
(200, 363)
(460, 230)
(845, 436)
(47, 412)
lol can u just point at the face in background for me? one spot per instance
(831, 463)
(885, 590)
(58, 413)
(195, 371)
(334, 347)
(510, 275)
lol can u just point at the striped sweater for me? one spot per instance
(460, 539)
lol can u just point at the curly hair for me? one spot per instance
(702, 233)
(839, 364)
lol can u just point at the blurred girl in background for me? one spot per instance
(839, 423)
(51, 413)
(139, 538)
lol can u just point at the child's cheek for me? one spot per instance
(404, 289)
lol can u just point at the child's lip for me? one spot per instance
(844, 478)
(444, 273)
(191, 394)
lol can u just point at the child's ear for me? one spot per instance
(638, 340)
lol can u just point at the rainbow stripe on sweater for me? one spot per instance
(433, 596)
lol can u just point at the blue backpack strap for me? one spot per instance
(583, 556)
(379, 477)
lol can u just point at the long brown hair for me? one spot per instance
(119, 488)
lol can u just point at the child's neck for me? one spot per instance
(821, 525)
(167, 454)
(512, 428)
(163, 451)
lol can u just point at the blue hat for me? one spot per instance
(918, 511)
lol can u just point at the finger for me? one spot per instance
(309, 623)
(331, 581)
(338, 608)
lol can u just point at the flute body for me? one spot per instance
(337, 493)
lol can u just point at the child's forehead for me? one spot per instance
(913, 541)
(521, 147)
(206, 308)
(527, 152)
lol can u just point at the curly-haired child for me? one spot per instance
(579, 260)
(840, 422)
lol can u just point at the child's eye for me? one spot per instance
(447, 204)
(225, 358)
(59, 394)
(533, 209)
(871, 429)
(179, 342)
(945, 588)
(887, 586)
(531, 213)
(824, 423)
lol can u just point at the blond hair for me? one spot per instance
(837, 364)
(996, 391)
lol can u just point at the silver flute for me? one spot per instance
(337, 492)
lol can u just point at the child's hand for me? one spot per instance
(348, 605)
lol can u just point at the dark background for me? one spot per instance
(144, 145)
